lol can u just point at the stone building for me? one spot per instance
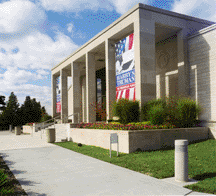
(147, 53)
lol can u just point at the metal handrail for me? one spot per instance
(70, 115)
(47, 121)
(60, 119)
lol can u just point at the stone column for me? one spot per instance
(54, 95)
(167, 85)
(75, 72)
(84, 99)
(183, 65)
(161, 86)
(64, 95)
(90, 88)
(145, 65)
(110, 77)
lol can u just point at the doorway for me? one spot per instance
(101, 94)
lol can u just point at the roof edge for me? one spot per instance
(134, 8)
(203, 31)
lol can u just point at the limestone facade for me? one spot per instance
(169, 60)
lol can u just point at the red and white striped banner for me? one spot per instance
(126, 92)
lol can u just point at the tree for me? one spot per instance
(43, 110)
(31, 110)
(9, 115)
(2, 102)
(37, 110)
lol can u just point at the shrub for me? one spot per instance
(157, 114)
(126, 110)
(147, 107)
(171, 105)
(45, 118)
(181, 111)
(188, 111)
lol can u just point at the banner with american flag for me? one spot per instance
(125, 68)
(58, 94)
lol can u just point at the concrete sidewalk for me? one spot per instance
(46, 169)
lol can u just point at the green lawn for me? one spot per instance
(160, 163)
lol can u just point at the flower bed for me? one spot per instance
(128, 127)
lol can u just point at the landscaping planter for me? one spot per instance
(130, 141)
(27, 129)
(17, 130)
(51, 137)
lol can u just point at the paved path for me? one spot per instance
(46, 169)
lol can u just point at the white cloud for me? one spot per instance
(42, 72)
(13, 76)
(19, 15)
(70, 26)
(36, 51)
(197, 8)
(75, 6)
(122, 6)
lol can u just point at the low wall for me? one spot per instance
(27, 129)
(129, 141)
(212, 129)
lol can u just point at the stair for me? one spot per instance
(60, 134)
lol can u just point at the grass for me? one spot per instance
(160, 163)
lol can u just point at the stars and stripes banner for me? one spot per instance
(125, 68)
(58, 94)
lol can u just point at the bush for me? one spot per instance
(147, 107)
(126, 110)
(45, 118)
(171, 105)
(188, 111)
(181, 112)
(157, 114)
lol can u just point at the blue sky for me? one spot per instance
(35, 35)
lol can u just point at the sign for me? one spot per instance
(125, 68)
(114, 139)
(58, 94)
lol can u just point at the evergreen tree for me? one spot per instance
(2, 103)
(37, 110)
(27, 110)
(31, 110)
(9, 115)
(43, 111)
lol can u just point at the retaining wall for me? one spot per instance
(27, 129)
(129, 141)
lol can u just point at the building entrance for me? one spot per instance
(101, 95)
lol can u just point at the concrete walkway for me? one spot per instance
(46, 169)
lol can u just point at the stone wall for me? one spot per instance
(202, 60)
(130, 141)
